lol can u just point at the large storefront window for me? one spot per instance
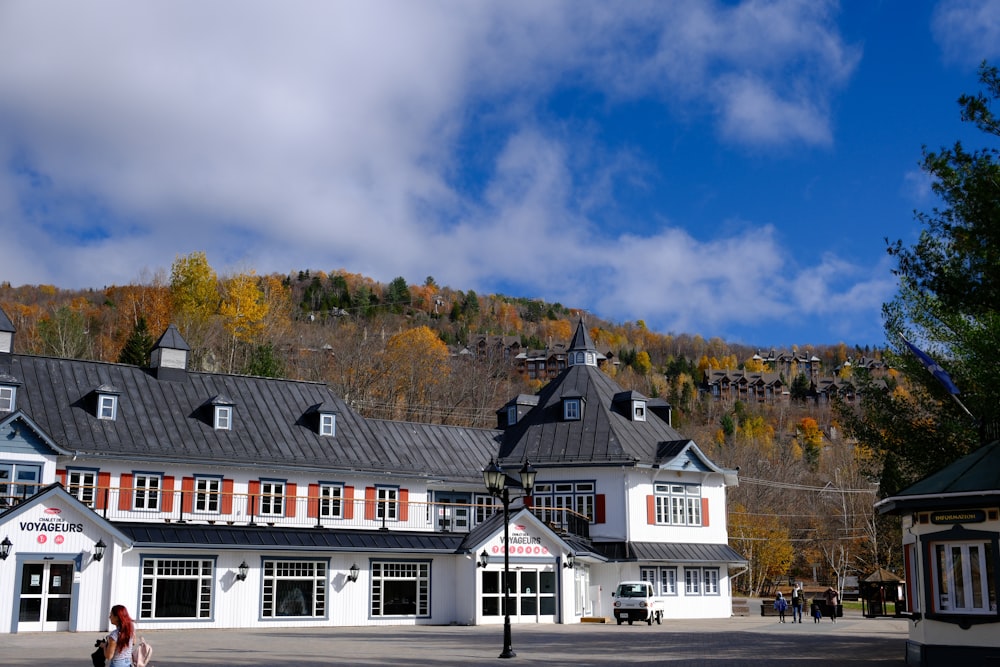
(176, 588)
(294, 588)
(964, 580)
(532, 593)
(401, 588)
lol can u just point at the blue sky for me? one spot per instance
(716, 168)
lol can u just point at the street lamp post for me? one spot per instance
(496, 483)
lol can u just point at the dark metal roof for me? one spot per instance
(5, 324)
(272, 425)
(972, 479)
(174, 535)
(581, 338)
(172, 339)
(672, 552)
(603, 435)
(446, 452)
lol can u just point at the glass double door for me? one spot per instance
(46, 596)
(532, 595)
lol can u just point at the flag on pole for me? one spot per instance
(933, 366)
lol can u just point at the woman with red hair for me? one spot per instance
(118, 644)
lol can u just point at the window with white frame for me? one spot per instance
(331, 501)
(327, 424)
(401, 588)
(177, 588)
(207, 491)
(692, 581)
(964, 577)
(551, 499)
(388, 503)
(294, 588)
(223, 417)
(82, 485)
(18, 480)
(7, 395)
(664, 579)
(272, 498)
(678, 504)
(107, 407)
(571, 409)
(146, 491)
(486, 506)
(710, 581)
(639, 411)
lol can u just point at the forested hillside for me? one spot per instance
(395, 351)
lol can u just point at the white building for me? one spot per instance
(227, 501)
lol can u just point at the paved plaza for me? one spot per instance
(751, 640)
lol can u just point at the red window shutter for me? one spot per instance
(227, 496)
(404, 504)
(651, 510)
(704, 511)
(125, 492)
(370, 503)
(168, 494)
(103, 484)
(61, 475)
(312, 505)
(291, 498)
(348, 502)
(599, 515)
(187, 494)
(254, 496)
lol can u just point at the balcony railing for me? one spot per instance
(262, 509)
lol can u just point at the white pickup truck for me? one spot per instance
(637, 601)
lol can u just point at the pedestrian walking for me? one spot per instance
(832, 600)
(780, 605)
(797, 601)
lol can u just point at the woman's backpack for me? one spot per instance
(142, 653)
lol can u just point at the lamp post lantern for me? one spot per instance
(495, 480)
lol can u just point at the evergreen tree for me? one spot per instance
(138, 345)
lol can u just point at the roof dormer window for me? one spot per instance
(105, 402)
(572, 409)
(327, 424)
(511, 415)
(223, 418)
(639, 411)
(7, 396)
(107, 406)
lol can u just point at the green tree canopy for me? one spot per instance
(949, 292)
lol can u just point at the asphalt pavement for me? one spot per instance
(733, 642)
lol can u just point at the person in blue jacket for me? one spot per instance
(781, 605)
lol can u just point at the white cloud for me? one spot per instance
(329, 135)
(968, 31)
